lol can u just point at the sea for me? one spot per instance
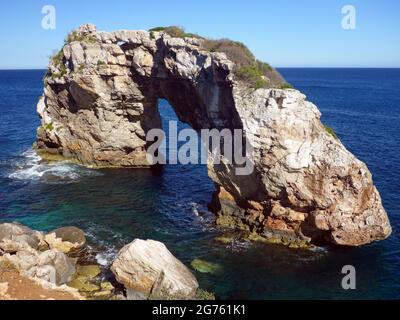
(116, 206)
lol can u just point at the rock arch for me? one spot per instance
(100, 99)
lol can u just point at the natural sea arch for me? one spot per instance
(100, 101)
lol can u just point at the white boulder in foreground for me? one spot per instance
(149, 270)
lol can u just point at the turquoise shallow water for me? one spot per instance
(116, 206)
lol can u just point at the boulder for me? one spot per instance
(15, 237)
(66, 239)
(52, 266)
(149, 270)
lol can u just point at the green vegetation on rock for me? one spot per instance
(331, 132)
(255, 73)
(100, 64)
(174, 31)
(57, 61)
(49, 126)
(74, 36)
(286, 86)
(252, 75)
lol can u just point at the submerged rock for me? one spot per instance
(83, 284)
(107, 286)
(100, 101)
(88, 283)
(89, 271)
(204, 295)
(205, 266)
(225, 239)
(148, 270)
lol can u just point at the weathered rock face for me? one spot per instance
(66, 239)
(100, 100)
(15, 237)
(22, 247)
(149, 270)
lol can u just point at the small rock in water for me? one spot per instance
(90, 271)
(205, 266)
(107, 286)
(83, 284)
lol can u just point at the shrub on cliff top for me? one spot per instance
(234, 50)
(286, 86)
(175, 31)
(252, 75)
(74, 36)
(255, 73)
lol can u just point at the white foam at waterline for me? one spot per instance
(195, 210)
(106, 250)
(105, 259)
(31, 167)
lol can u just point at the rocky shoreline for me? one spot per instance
(50, 265)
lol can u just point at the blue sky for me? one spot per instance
(285, 33)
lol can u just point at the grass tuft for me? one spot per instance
(331, 132)
(286, 86)
(174, 31)
(49, 126)
(74, 36)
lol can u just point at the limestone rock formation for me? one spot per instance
(51, 266)
(148, 270)
(100, 100)
(27, 251)
(15, 237)
(66, 239)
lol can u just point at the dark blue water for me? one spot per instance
(117, 206)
